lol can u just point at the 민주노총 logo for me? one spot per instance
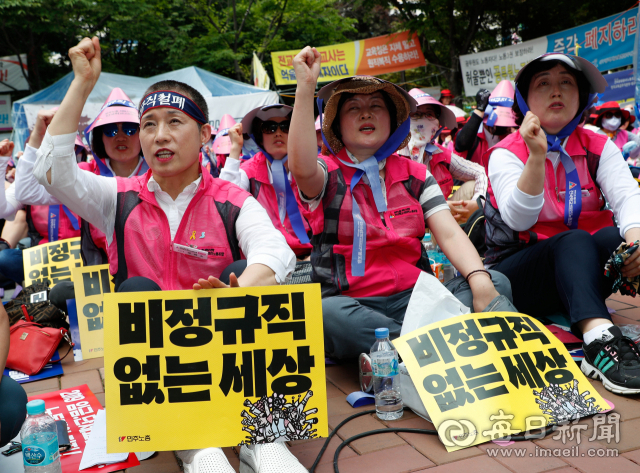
(135, 438)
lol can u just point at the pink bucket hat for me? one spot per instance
(447, 117)
(117, 108)
(499, 112)
(222, 142)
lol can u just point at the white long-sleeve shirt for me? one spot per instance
(28, 190)
(9, 205)
(94, 199)
(520, 211)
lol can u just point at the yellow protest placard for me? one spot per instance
(52, 262)
(338, 61)
(489, 375)
(214, 368)
(91, 283)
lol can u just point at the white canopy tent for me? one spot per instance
(223, 95)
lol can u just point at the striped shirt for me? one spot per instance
(464, 170)
(431, 199)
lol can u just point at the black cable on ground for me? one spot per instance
(544, 431)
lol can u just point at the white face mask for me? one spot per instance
(611, 124)
(422, 132)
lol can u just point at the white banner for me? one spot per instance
(486, 69)
(237, 105)
(11, 76)
(5, 112)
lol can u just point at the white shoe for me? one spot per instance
(269, 458)
(206, 460)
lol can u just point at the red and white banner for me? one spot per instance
(11, 76)
(78, 407)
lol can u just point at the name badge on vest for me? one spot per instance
(404, 211)
(187, 250)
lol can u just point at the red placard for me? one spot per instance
(78, 408)
(390, 53)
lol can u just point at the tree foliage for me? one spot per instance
(145, 38)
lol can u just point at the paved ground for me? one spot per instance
(398, 453)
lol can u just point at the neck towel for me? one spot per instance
(369, 167)
(54, 221)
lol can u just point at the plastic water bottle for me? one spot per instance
(428, 242)
(386, 377)
(447, 269)
(39, 438)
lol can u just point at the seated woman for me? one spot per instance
(267, 175)
(46, 222)
(174, 200)
(13, 399)
(115, 146)
(550, 234)
(426, 124)
(368, 208)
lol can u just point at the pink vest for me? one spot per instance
(142, 244)
(39, 225)
(38, 222)
(622, 138)
(585, 148)
(440, 163)
(263, 191)
(395, 256)
(481, 147)
(93, 242)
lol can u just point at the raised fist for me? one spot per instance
(86, 60)
(6, 147)
(306, 65)
(534, 135)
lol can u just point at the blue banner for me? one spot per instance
(621, 86)
(607, 43)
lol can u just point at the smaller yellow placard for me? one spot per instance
(489, 375)
(91, 284)
(52, 262)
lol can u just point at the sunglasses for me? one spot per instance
(613, 114)
(269, 127)
(430, 114)
(112, 129)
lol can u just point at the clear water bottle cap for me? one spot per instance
(35, 407)
(382, 333)
(427, 237)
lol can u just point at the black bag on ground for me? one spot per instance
(474, 228)
(43, 313)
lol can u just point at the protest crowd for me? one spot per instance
(346, 186)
